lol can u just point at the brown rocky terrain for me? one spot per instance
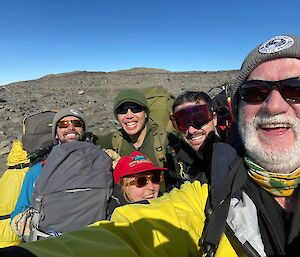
(93, 92)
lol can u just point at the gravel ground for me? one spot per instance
(93, 92)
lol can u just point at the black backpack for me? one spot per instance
(72, 190)
(222, 106)
(228, 175)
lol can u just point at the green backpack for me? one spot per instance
(160, 103)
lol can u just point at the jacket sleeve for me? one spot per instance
(24, 200)
(169, 226)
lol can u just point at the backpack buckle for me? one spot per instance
(159, 149)
(208, 250)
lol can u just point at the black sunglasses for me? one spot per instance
(141, 181)
(135, 108)
(257, 91)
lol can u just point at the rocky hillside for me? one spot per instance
(93, 92)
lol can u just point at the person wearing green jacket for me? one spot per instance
(131, 110)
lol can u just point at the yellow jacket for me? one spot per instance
(169, 226)
(10, 186)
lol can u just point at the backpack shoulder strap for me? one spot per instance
(224, 184)
(159, 139)
(35, 213)
(223, 155)
(117, 141)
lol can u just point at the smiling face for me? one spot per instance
(195, 137)
(70, 133)
(271, 130)
(135, 194)
(132, 122)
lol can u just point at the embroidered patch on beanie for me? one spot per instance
(276, 44)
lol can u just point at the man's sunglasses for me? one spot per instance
(195, 116)
(257, 91)
(66, 123)
(143, 180)
(135, 108)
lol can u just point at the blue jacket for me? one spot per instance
(24, 200)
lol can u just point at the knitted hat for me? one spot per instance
(287, 46)
(133, 164)
(68, 111)
(130, 95)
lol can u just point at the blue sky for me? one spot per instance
(39, 37)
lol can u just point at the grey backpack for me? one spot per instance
(37, 130)
(72, 190)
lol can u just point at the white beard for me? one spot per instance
(275, 159)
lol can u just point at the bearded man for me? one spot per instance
(69, 125)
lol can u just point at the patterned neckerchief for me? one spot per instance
(275, 183)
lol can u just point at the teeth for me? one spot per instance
(275, 125)
(130, 124)
(196, 138)
(70, 135)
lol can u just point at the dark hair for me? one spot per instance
(193, 96)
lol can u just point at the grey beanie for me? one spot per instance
(286, 46)
(68, 111)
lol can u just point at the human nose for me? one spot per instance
(71, 125)
(191, 130)
(275, 104)
(129, 113)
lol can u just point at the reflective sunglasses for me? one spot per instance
(66, 123)
(143, 180)
(135, 108)
(196, 116)
(257, 91)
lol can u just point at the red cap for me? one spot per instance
(133, 164)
